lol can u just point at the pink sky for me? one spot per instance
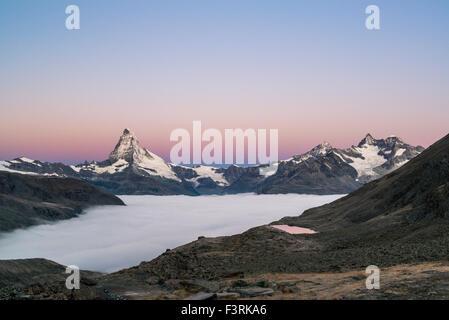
(73, 144)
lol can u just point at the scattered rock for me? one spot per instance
(113, 296)
(88, 281)
(173, 284)
(154, 281)
(289, 289)
(228, 295)
(201, 237)
(263, 283)
(201, 284)
(287, 283)
(36, 289)
(253, 291)
(358, 277)
(233, 274)
(239, 283)
(202, 296)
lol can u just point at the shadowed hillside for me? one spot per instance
(417, 192)
(27, 200)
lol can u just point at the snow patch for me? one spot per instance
(156, 166)
(209, 172)
(117, 166)
(400, 164)
(4, 166)
(24, 159)
(372, 159)
(400, 152)
(269, 170)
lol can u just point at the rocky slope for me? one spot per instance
(132, 169)
(26, 279)
(40, 279)
(26, 200)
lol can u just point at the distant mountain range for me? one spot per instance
(327, 170)
(132, 169)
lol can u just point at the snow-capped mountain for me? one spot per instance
(325, 169)
(35, 167)
(128, 154)
(373, 158)
(132, 169)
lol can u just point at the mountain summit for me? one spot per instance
(128, 148)
(367, 140)
(321, 149)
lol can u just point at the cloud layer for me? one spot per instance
(111, 238)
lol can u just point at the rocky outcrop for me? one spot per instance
(41, 279)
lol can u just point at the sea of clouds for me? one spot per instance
(110, 238)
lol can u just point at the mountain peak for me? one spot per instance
(127, 131)
(367, 140)
(325, 145)
(128, 148)
(393, 138)
(369, 137)
(321, 149)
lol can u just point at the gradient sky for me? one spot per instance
(308, 68)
